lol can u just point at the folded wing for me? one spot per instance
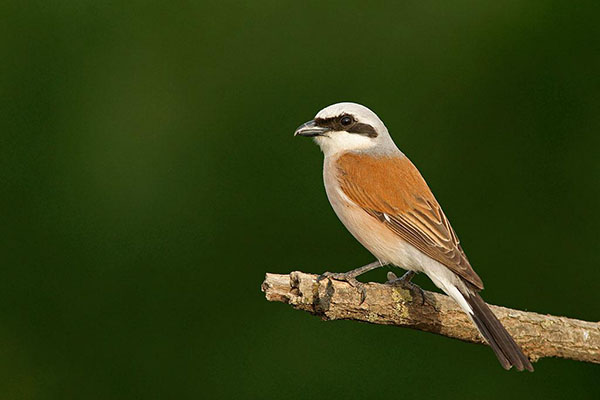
(392, 190)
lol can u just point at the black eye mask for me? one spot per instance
(352, 126)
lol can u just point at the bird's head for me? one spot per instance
(346, 127)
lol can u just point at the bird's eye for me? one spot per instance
(346, 120)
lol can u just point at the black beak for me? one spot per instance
(310, 129)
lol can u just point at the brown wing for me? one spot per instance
(392, 190)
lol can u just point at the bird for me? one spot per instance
(385, 203)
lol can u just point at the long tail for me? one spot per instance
(508, 352)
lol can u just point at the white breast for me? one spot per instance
(371, 233)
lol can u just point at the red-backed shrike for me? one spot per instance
(383, 200)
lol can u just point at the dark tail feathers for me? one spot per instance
(507, 351)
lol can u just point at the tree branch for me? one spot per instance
(538, 335)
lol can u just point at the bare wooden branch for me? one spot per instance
(538, 335)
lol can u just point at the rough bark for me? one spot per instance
(538, 335)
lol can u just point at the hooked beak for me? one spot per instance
(310, 129)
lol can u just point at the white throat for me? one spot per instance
(340, 142)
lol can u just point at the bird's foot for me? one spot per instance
(405, 282)
(350, 278)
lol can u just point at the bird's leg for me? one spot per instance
(350, 277)
(406, 278)
(405, 281)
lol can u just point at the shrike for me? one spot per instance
(383, 200)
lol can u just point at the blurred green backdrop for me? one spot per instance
(150, 179)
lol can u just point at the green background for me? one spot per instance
(150, 179)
